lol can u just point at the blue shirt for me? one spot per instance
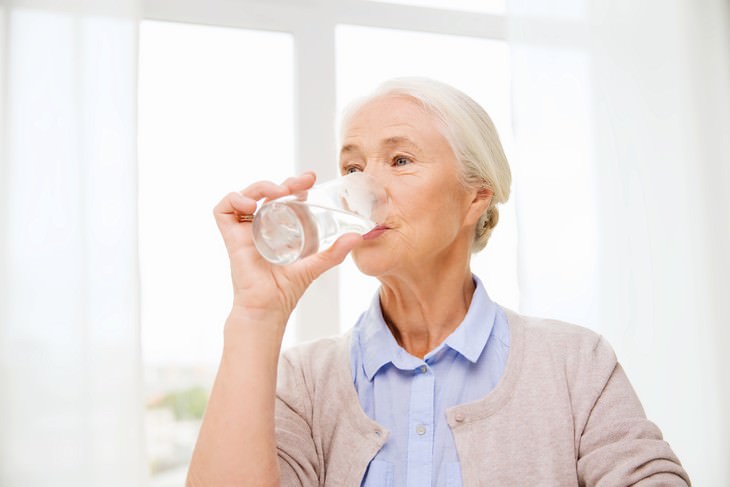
(409, 396)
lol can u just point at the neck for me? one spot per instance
(422, 311)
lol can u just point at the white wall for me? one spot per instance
(622, 110)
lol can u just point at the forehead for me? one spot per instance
(392, 115)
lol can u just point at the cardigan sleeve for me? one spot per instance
(299, 461)
(618, 445)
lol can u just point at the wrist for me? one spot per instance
(244, 321)
(273, 315)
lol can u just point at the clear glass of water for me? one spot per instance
(292, 227)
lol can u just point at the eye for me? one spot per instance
(401, 161)
(350, 169)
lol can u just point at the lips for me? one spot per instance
(375, 232)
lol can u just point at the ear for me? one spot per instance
(480, 203)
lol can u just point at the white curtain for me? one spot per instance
(621, 118)
(70, 375)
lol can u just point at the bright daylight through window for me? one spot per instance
(215, 113)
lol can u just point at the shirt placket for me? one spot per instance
(421, 428)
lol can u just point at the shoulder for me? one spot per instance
(315, 359)
(553, 343)
(555, 333)
(319, 350)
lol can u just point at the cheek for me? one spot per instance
(432, 210)
(439, 206)
(445, 219)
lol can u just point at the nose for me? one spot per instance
(382, 177)
(379, 172)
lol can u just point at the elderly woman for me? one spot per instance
(436, 385)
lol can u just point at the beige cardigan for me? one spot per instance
(563, 414)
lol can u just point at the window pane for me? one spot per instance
(480, 67)
(482, 6)
(215, 114)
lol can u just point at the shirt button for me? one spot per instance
(424, 369)
(459, 418)
(420, 429)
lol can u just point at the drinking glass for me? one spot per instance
(292, 227)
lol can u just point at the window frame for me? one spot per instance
(312, 24)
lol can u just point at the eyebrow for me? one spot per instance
(400, 140)
(348, 148)
(390, 141)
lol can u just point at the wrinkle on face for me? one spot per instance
(428, 201)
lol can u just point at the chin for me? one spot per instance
(373, 262)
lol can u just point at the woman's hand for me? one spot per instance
(236, 444)
(263, 290)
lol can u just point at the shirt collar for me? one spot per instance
(470, 338)
(378, 346)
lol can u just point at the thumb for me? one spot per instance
(317, 264)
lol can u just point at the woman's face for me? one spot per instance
(431, 215)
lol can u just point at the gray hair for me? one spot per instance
(469, 131)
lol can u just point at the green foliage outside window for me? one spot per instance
(185, 404)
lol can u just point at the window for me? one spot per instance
(215, 113)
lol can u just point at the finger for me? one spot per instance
(317, 264)
(235, 204)
(264, 189)
(245, 202)
(301, 183)
(296, 184)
